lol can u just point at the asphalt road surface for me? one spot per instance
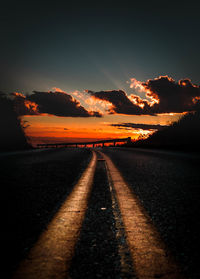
(36, 184)
(168, 186)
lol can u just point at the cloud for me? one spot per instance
(163, 95)
(139, 126)
(57, 103)
(56, 89)
(171, 96)
(120, 103)
(23, 106)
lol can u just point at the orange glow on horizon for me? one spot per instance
(48, 128)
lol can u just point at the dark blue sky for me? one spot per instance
(97, 46)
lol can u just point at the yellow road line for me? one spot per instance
(52, 254)
(149, 254)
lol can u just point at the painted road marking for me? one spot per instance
(52, 254)
(149, 254)
(123, 249)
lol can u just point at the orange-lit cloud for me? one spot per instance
(136, 100)
(56, 89)
(196, 100)
(164, 98)
(140, 86)
(173, 96)
(102, 105)
(163, 95)
(23, 106)
(57, 103)
(31, 106)
(17, 94)
(60, 104)
(116, 101)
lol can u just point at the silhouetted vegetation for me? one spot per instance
(183, 134)
(11, 133)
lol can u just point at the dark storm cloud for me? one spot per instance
(173, 96)
(57, 103)
(139, 126)
(119, 100)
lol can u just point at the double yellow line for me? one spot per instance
(52, 254)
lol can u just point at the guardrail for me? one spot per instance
(84, 144)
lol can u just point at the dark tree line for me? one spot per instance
(12, 136)
(183, 134)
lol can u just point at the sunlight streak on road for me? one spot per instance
(151, 259)
(52, 254)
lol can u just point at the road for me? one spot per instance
(167, 184)
(34, 184)
(141, 223)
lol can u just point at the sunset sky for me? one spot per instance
(98, 70)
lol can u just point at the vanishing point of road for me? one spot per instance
(101, 213)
